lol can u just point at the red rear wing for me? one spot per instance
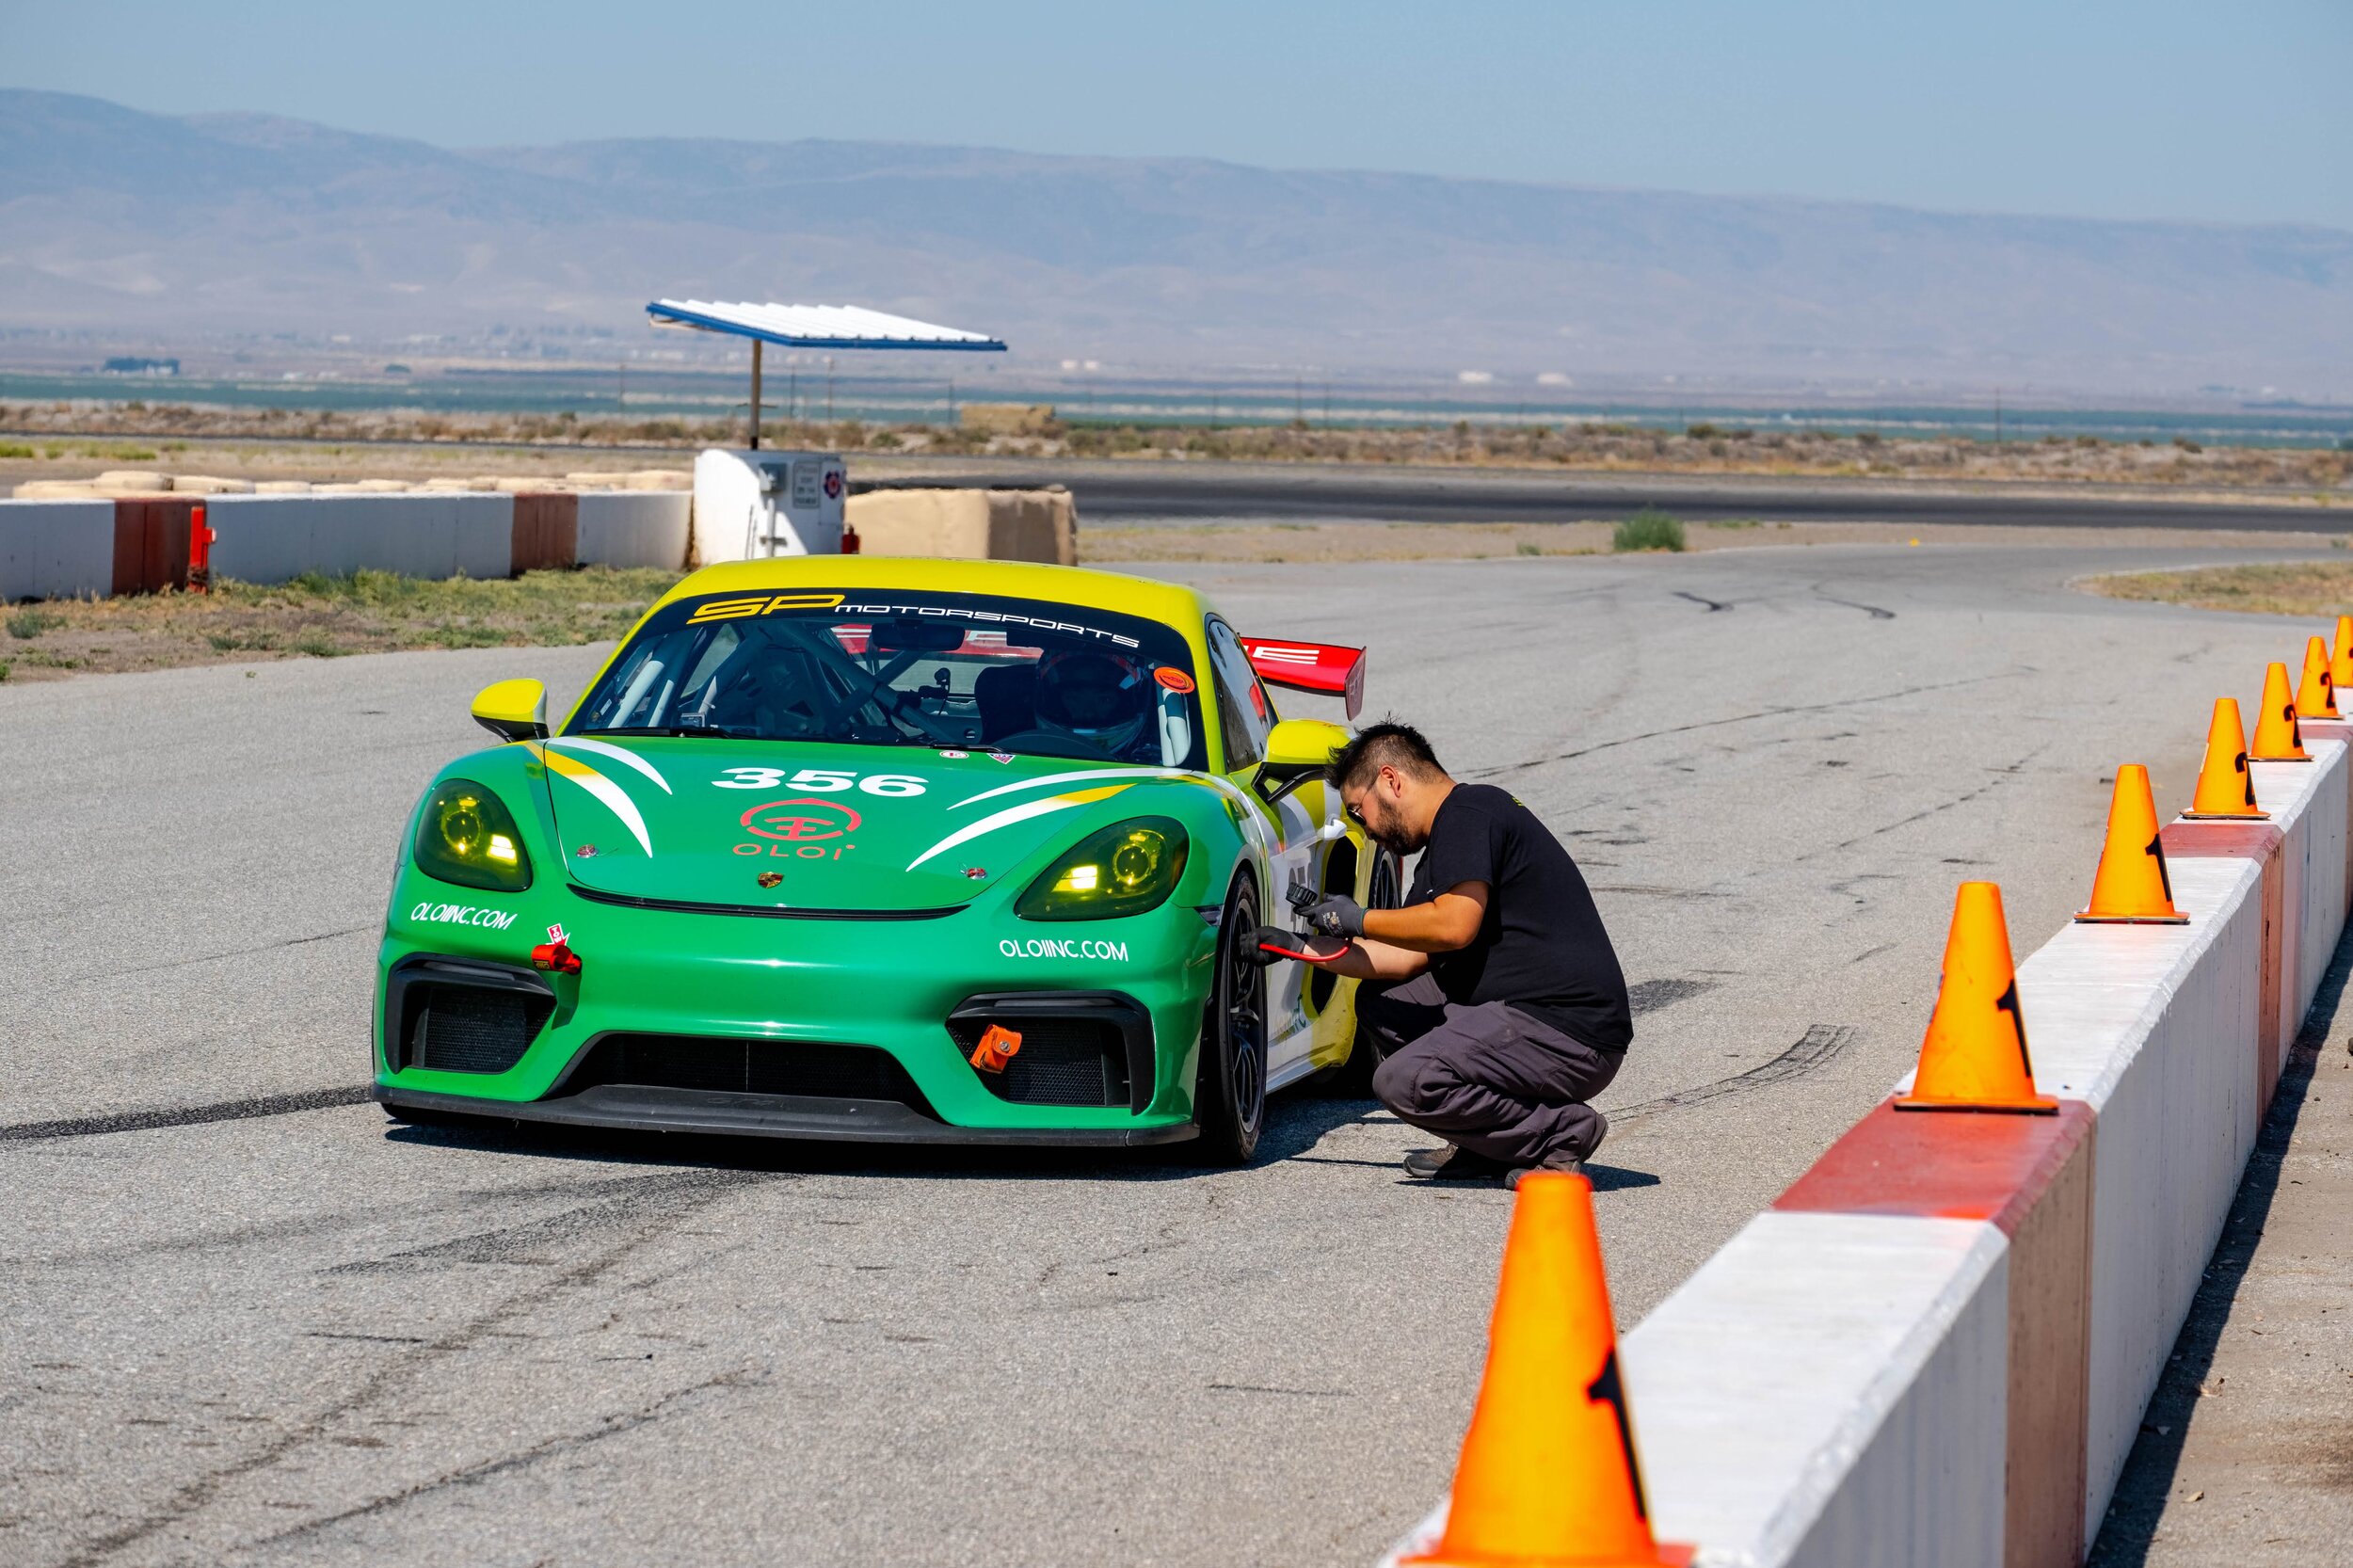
(1311, 667)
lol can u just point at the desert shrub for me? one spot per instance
(1649, 529)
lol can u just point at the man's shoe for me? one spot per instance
(1450, 1163)
(1567, 1164)
(1564, 1164)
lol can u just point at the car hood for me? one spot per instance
(874, 830)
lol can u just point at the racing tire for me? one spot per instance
(1229, 1091)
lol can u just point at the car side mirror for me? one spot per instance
(513, 710)
(1296, 751)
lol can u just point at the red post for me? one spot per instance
(200, 552)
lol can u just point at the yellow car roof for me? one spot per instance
(1170, 603)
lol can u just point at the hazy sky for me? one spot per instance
(2226, 109)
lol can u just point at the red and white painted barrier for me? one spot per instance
(1936, 1346)
(70, 548)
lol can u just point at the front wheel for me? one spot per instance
(1230, 1092)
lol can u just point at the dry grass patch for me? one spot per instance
(1340, 541)
(323, 618)
(2309, 588)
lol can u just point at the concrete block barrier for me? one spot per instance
(101, 545)
(56, 549)
(634, 528)
(1937, 1346)
(272, 539)
(971, 525)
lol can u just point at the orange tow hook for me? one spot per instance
(997, 1048)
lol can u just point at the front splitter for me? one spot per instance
(798, 1116)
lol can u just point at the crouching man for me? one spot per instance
(1494, 992)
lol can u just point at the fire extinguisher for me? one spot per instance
(201, 538)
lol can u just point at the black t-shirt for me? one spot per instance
(1542, 948)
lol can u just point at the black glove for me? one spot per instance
(1335, 915)
(1271, 944)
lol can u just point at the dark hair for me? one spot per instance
(1386, 745)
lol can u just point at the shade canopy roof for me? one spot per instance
(816, 326)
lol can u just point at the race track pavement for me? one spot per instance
(1135, 493)
(265, 1325)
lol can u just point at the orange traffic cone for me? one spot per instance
(2278, 737)
(2316, 697)
(1548, 1477)
(1975, 1057)
(2226, 791)
(2341, 667)
(2131, 887)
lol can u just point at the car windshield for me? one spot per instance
(877, 668)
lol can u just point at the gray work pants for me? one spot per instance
(1487, 1077)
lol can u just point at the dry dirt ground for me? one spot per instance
(1581, 446)
(2246, 1455)
(2303, 589)
(1414, 541)
(321, 617)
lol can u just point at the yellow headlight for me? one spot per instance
(1137, 859)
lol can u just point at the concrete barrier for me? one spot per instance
(63, 549)
(1937, 1347)
(271, 538)
(56, 549)
(968, 526)
(634, 528)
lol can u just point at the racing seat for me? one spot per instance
(1007, 697)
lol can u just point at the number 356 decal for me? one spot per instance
(822, 780)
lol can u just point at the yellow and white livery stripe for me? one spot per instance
(614, 797)
(605, 748)
(1011, 814)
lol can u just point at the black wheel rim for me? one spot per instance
(1245, 1025)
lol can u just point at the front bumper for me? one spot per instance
(892, 985)
(796, 1116)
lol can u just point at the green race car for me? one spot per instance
(853, 848)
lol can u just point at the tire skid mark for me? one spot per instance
(1817, 1048)
(615, 1425)
(191, 1116)
(216, 957)
(529, 1241)
(308, 1227)
(1939, 808)
(1776, 712)
(666, 1198)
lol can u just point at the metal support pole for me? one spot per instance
(753, 418)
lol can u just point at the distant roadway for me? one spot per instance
(1145, 492)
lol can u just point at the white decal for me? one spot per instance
(825, 780)
(462, 914)
(1050, 947)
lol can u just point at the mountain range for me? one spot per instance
(130, 222)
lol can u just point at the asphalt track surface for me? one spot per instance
(1162, 492)
(250, 1322)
